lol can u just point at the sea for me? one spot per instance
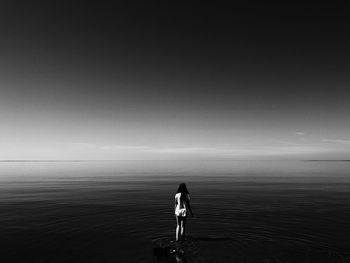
(118, 211)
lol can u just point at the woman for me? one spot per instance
(182, 206)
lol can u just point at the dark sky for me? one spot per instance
(94, 80)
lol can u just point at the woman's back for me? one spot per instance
(181, 206)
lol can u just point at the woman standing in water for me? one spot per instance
(182, 206)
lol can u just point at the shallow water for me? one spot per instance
(245, 211)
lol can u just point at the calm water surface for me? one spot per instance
(245, 211)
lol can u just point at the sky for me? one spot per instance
(83, 80)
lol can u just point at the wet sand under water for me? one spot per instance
(222, 249)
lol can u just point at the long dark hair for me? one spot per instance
(184, 192)
(182, 189)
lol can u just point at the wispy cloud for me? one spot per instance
(300, 133)
(126, 147)
(288, 143)
(83, 145)
(341, 141)
(290, 149)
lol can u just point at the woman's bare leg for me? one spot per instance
(178, 225)
(183, 227)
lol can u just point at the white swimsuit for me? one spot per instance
(181, 207)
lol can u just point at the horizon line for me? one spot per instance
(122, 160)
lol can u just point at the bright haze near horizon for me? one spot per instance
(93, 81)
